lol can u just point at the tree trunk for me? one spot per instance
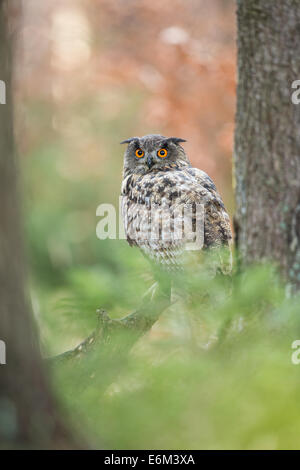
(267, 137)
(28, 414)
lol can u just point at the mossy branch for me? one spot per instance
(154, 302)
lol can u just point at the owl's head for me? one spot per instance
(153, 152)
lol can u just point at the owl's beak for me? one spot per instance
(149, 161)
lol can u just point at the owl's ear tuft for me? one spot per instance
(175, 140)
(131, 139)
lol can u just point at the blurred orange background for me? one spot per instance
(91, 73)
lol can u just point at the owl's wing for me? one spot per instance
(217, 229)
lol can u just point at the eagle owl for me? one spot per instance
(167, 204)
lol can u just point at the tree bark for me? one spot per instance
(28, 413)
(267, 136)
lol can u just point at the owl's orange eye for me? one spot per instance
(162, 153)
(139, 153)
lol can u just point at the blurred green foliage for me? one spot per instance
(215, 372)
